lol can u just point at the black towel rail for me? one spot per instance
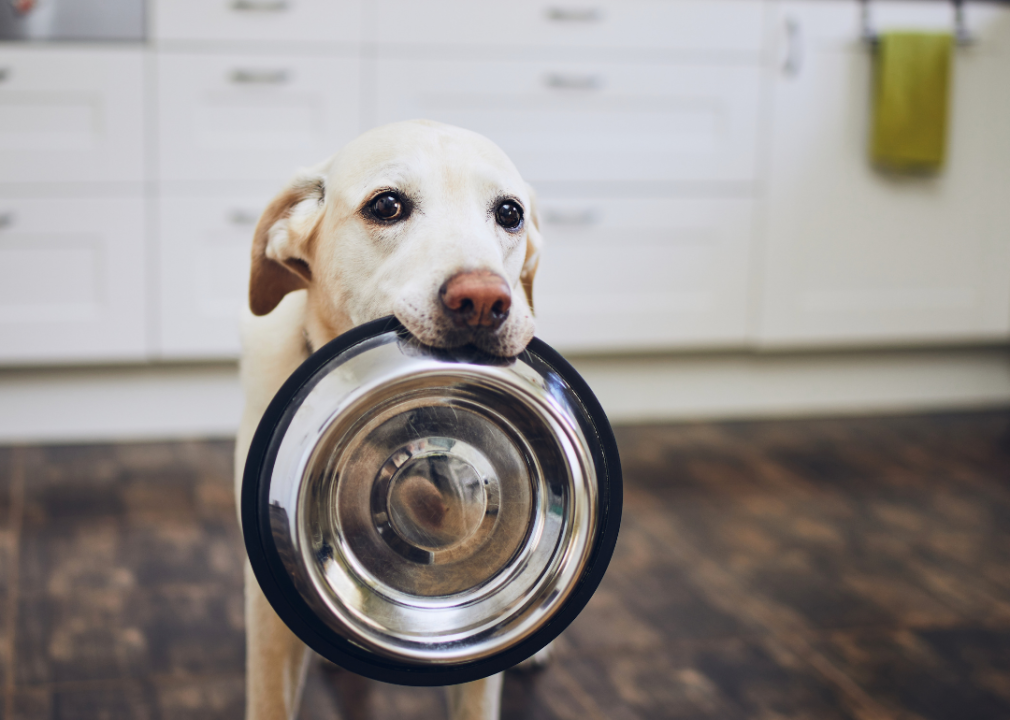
(961, 35)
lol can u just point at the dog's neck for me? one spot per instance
(317, 331)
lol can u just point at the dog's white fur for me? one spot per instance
(320, 267)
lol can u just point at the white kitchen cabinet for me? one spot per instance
(709, 26)
(71, 115)
(203, 262)
(645, 273)
(569, 121)
(72, 285)
(252, 117)
(696, 190)
(299, 21)
(856, 257)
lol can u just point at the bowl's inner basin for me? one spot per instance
(435, 499)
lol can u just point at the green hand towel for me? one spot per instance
(910, 101)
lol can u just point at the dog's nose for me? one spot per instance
(478, 299)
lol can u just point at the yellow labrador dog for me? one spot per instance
(428, 222)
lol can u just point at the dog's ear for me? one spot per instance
(534, 243)
(282, 240)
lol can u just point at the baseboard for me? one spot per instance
(124, 403)
(186, 401)
(755, 385)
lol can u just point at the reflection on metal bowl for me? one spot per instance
(428, 516)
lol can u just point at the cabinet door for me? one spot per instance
(252, 117)
(644, 273)
(728, 26)
(204, 250)
(854, 256)
(257, 20)
(72, 285)
(576, 121)
(71, 115)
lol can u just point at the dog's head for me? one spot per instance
(425, 221)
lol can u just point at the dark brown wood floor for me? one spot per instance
(854, 568)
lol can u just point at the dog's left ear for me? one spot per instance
(283, 239)
(534, 243)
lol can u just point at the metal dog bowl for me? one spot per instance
(430, 517)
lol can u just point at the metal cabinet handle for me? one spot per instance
(792, 63)
(583, 217)
(6, 220)
(259, 5)
(259, 77)
(573, 15)
(562, 81)
(243, 217)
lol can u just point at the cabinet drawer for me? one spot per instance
(257, 117)
(204, 250)
(702, 25)
(257, 20)
(71, 116)
(565, 121)
(643, 273)
(71, 280)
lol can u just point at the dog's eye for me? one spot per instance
(387, 206)
(509, 215)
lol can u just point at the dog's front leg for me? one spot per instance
(478, 700)
(276, 660)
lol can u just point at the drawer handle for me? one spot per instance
(584, 217)
(793, 61)
(559, 81)
(260, 5)
(259, 77)
(243, 217)
(574, 15)
(6, 220)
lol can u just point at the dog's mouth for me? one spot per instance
(505, 341)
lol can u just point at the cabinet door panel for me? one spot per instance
(565, 121)
(688, 25)
(855, 256)
(649, 273)
(257, 20)
(71, 280)
(71, 115)
(252, 117)
(204, 255)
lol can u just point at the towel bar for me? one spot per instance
(961, 35)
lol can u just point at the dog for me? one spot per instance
(427, 222)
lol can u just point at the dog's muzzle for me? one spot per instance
(430, 517)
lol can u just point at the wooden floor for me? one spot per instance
(853, 568)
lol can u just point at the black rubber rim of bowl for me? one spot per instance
(292, 609)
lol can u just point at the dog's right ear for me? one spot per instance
(534, 244)
(283, 240)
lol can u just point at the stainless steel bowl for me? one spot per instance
(428, 516)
